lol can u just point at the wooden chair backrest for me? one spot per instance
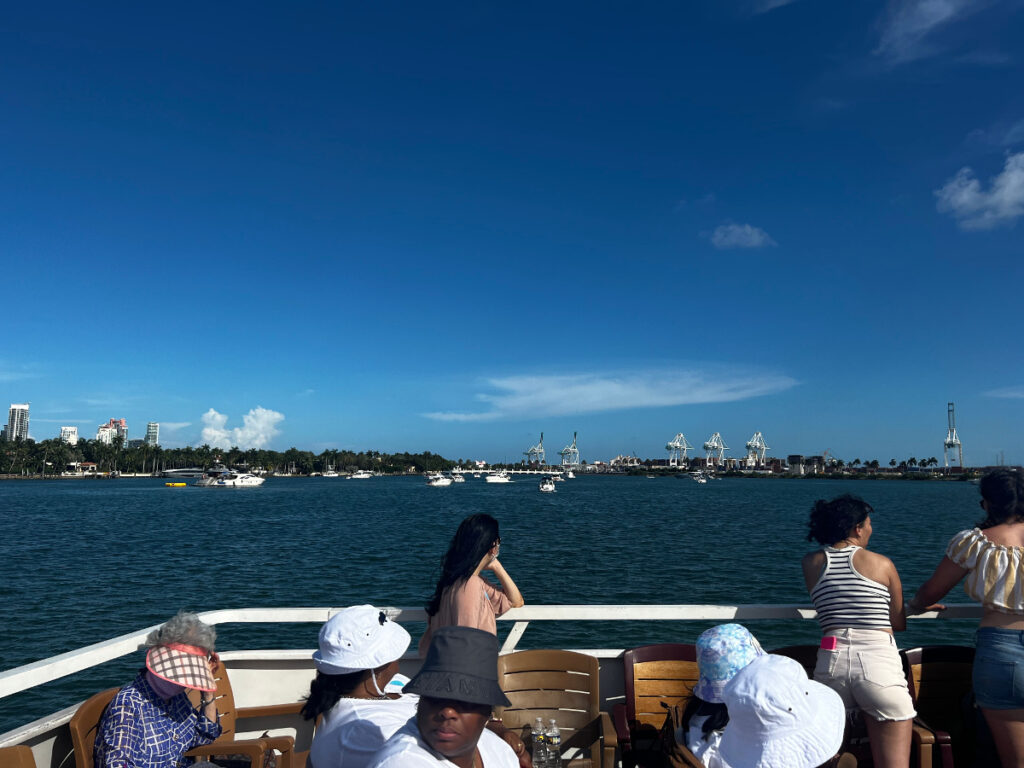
(939, 677)
(558, 684)
(17, 757)
(84, 724)
(666, 672)
(225, 704)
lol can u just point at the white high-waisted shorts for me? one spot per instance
(866, 671)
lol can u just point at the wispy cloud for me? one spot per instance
(306, 393)
(1002, 134)
(976, 208)
(763, 6)
(259, 427)
(1010, 393)
(518, 397)
(65, 422)
(740, 236)
(909, 26)
(174, 426)
(15, 372)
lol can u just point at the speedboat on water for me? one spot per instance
(571, 475)
(437, 480)
(458, 478)
(547, 485)
(362, 474)
(499, 477)
(210, 477)
(699, 477)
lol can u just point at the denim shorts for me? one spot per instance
(999, 668)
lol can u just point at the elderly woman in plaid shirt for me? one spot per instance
(150, 723)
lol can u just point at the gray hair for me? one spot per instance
(185, 628)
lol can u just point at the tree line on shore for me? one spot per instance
(53, 457)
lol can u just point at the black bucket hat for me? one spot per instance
(462, 665)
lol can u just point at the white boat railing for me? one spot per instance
(28, 676)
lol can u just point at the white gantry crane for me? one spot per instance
(570, 454)
(756, 449)
(952, 439)
(677, 449)
(715, 445)
(536, 452)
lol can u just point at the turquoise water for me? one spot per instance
(86, 560)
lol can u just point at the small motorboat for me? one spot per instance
(458, 479)
(498, 477)
(571, 475)
(438, 480)
(362, 474)
(699, 477)
(547, 485)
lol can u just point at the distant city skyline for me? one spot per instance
(454, 228)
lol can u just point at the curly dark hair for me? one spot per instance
(832, 521)
(475, 536)
(1003, 489)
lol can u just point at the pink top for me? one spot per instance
(474, 603)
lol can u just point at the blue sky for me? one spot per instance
(451, 227)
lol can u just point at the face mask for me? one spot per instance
(165, 689)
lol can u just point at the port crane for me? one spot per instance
(536, 453)
(713, 445)
(570, 454)
(952, 439)
(677, 449)
(756, 449)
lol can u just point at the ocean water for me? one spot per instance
(86, 560)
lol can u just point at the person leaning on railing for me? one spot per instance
(859, 601)
(991, 557)
(150, 723)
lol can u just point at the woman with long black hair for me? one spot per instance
(462, 597)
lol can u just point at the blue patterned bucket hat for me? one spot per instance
(723, 651)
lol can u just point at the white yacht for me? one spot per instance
(547, 485)
(458, 478)
(571, 475)
(232, 480)
(362, 474)
(210, 477)
(499, 477)
(699, 477)
(437, 480)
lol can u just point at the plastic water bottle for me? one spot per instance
(553, 740)
(540, 747)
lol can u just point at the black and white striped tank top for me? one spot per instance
(844, 598)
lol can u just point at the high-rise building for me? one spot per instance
(17, 422)
(69, 435)
(152, 433)
(113, 428)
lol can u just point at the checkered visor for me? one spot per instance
(184, 667)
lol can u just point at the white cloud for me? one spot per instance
(1010, 393)
(520, 397)
(740, 236)
(975, 208)
(908, 24)
(1014, 134)
(173, 426)
(259, 428)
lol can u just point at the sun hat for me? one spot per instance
(778, 718)
(723, 651)
(182, 664)
(461, 664)
(358, 638)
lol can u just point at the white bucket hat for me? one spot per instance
(358, 638)
(778, 718)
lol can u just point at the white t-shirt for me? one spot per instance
(407, 748)
(353, 730)
(705, 751)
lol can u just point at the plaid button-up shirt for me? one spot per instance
(142, 730)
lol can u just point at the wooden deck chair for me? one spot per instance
(563, 685)
(17, 757)
(654, 674)
(85, 722)
(939, 678)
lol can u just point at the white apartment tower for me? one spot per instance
(69, 435)
(17, 422)
(152, 434)
(113, 428)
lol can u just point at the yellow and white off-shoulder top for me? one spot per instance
(996, 578)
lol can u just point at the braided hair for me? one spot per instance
(1003, 490)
